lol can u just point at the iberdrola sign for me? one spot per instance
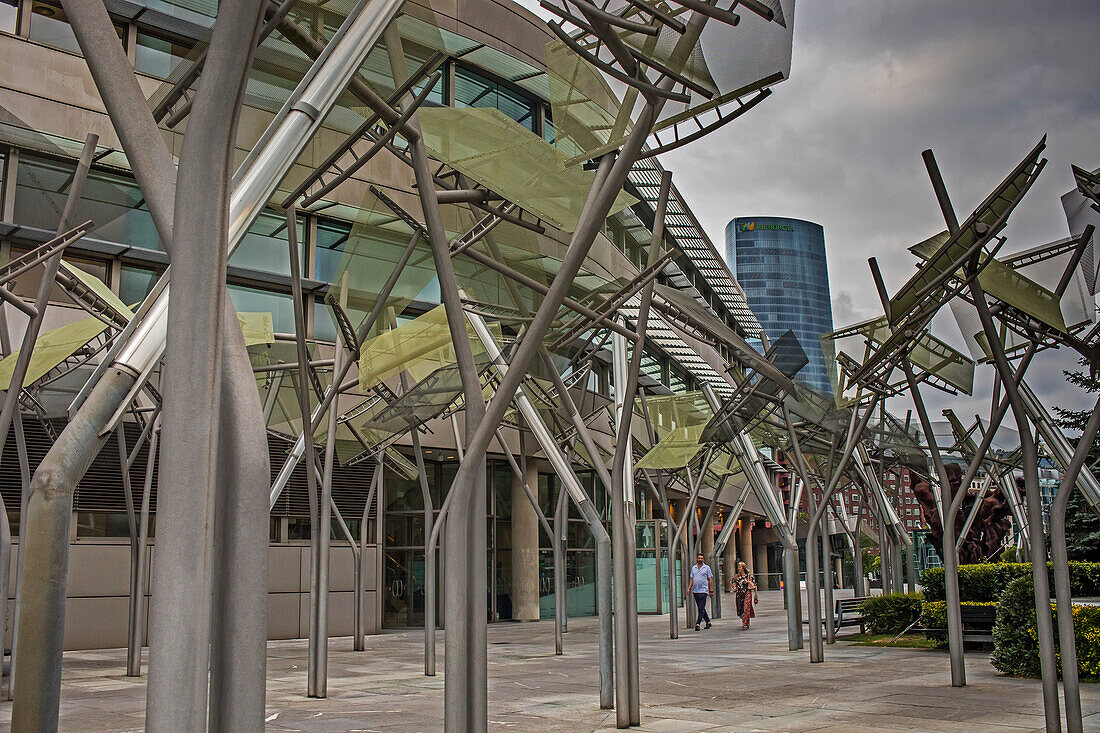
(752, 226)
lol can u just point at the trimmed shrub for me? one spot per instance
(1016, 638)
(890, 614)
(1015, 652)
(934, 616)
(986, 581)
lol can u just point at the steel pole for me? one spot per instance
(729, 522)
(1067, 641)
(950, 557)
(576, 492)
(813, 597)
(200, 527)
(1030, 465)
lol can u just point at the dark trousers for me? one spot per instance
(701, 604)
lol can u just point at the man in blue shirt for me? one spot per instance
(702, 586)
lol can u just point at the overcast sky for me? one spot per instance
(875, 82)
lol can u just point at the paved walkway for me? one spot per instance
(718, 680)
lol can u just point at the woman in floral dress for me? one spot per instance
(744, 588)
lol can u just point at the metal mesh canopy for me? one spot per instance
(926, 291)
(1005, 284)
(505, 157)
(726, 62)
(744, 353)
(692, 240)
(947, 367)
(418, 347)
(679, 421)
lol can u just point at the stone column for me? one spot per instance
(761, 566)
(729, 563)
(706, 543)
(525, 550)
(744, 538)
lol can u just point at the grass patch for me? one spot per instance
(908, 641)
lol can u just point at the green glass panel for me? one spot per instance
(52, 348)
(503, 156)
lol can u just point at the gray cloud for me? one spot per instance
(873, 84)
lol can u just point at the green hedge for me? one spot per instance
(934, 616)
(986, 581)
(1015, 637)
(890, 614)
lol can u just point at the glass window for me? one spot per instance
(26, 285)
(101, 524)
(158, 56)
(265, 246)
(474, 90)
(8, 13)
(331, 237)
(135, 283)
(50, 26)
(251, 300)
(112, 202)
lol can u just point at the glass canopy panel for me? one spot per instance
(360, 259)
(97, 286)
(925, 291)
(728, 62)
(674, 450)
(1006, 284)
(51, 349)
(503, 156)
(859, 342)
(419, 347)
(258, 328)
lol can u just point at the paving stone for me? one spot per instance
(718, 681)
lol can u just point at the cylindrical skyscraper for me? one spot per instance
(781, 265)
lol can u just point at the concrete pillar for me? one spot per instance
(706, 544)
(525, 550)
(729, 563)
(744, 538)
(760, 566)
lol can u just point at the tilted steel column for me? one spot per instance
(584, 505)
(1030, 464)
(729, 523)
(1058, 445)
(745, 451)
(622, 506)
(285, 140)
(1071, 687)
(1008, 490)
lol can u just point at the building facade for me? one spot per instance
(492, 56)
(781, 265)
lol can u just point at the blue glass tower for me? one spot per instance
(781, 265)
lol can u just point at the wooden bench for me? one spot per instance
(980, 619)
(848, 613)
